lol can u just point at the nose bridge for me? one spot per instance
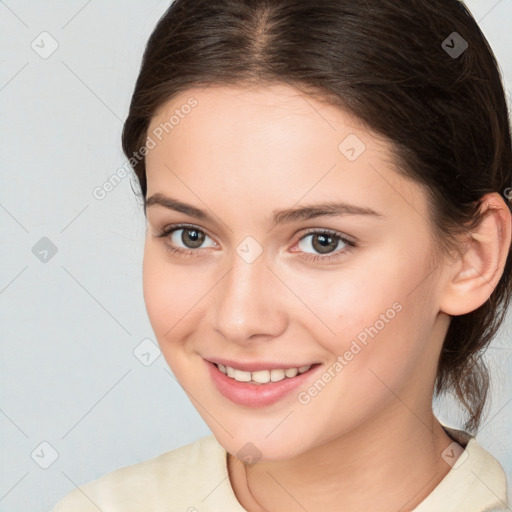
(244, 306)
(244, 284)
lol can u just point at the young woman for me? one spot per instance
(327, 189)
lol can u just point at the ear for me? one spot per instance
(472, 277)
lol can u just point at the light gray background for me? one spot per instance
(69, 376)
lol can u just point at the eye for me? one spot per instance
(187, 240)
(325, 242)
(190, 237)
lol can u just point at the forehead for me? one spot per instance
(269, 141)
(278, 101)
(258, 123)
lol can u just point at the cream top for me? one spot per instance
(194, 478)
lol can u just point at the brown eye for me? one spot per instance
(322, 243)
(185, 239)
(192, 238)
(319, 246)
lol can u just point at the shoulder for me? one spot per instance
(475, 483)
(488, 478)
(177, 475)
(483, 466)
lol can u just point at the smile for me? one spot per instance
(260, 387)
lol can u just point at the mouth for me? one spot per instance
(260, 387)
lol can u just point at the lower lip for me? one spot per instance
(256, 395)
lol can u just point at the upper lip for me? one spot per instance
(255, 366)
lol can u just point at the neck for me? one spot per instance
(399, 451)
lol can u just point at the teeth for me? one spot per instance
(291, 372)
(276, 375)
(262, 376)
(241, 376)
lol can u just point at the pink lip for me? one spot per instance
(256, 395)
(255, 366)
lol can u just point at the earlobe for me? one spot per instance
(476, 273)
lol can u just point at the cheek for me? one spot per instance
(172, 298)
(350, 301)
(164, 289)
(170, 292)
(372, 358)
(157, 294)
(378, 326)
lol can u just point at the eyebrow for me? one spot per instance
(279, 216)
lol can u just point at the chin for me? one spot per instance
(281, 444)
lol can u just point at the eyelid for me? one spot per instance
(332, 232)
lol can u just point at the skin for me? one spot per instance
(240, 154)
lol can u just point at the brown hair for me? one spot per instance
(388, 63)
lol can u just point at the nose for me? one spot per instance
(248, 302)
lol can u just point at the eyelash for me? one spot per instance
(350, 245)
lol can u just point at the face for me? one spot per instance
(232, 275)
